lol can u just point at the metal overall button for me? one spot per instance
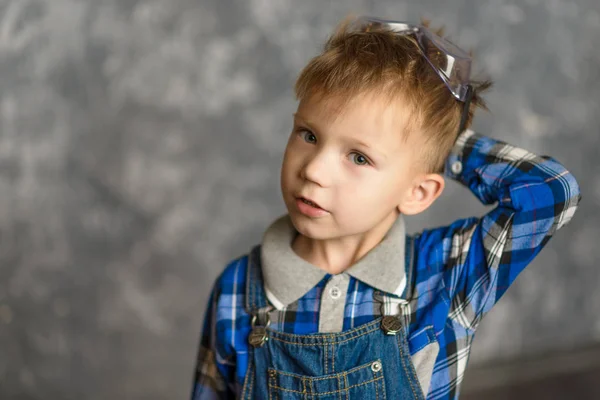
(258, 335)
(376, 366)
(391, 325)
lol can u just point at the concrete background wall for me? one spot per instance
(140, 145)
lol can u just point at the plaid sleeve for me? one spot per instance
(215, 372)
(535, 197)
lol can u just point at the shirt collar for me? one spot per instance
(288, 277)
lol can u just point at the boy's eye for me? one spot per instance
(308, 136)
(359, 159)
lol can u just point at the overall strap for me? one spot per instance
(256, 299)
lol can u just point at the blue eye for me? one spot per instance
(308, 136)
(359, 159)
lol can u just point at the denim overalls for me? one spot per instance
(370, 362)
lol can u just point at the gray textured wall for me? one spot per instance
(140, 146)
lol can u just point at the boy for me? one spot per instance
(338, 302)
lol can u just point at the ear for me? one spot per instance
(421, 195)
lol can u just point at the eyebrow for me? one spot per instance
(310, 124)
(353, 140)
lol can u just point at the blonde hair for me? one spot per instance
(380, 61)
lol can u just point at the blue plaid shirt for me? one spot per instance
(460, 270)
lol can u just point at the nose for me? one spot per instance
(318, 169)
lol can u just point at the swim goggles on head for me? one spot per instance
(451, 64)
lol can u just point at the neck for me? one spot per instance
(335, 255)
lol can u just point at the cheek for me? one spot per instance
(290, 164)
(371, 191)
(285, 174)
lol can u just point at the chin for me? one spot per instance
(317, 229)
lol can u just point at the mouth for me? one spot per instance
(309, 202)
(309, 207)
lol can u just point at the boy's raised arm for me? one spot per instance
(536, 196)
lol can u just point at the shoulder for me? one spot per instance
(435, 247)
(230, 323)
(233, 278)
(443, 235)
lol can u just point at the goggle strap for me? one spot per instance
(465, 111)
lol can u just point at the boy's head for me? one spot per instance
(373, 87)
